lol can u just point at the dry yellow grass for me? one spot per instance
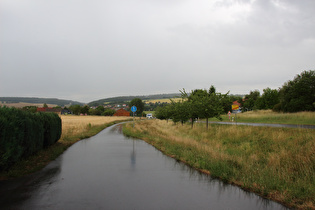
(74, 125)
(275, 162)
(164, 100)
(270, 113)
(268, 116)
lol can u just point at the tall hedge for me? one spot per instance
(52, 127)
(24, 133)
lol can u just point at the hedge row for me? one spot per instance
(24, 133)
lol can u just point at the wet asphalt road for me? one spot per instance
(110, 171)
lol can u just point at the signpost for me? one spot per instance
(133, 109)
(235, 107)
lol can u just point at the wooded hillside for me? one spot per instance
(59, 102)
(126, 99)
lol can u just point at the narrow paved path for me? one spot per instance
(110, 171)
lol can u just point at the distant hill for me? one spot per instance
(59, 102)
(126, 99)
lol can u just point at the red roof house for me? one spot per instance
(47, 109)
(122, 112)
(236, 103)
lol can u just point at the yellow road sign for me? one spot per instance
(235, 107)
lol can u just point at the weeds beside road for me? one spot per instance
(277, 163)
(268, 116)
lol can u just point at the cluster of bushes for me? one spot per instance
(198, 104)
(99, 111)
(294, 96)
(24, 133)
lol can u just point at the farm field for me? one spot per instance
(268, 116)
(164, 100)
(22, 104)
(277, 163)
(74, 128)
(78, 125)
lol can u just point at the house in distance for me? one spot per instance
(122, 112)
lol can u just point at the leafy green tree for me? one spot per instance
(92, 111)
(108, 112)
(85, 109)
(299, 94)
(164, 112)
(227, 103)
(199, 104)
(268, 99)
(197, 101)
(216, 103)
(98, 111)
(250, 100)
(203, 104)
(31, 109)
(160, 113)
(139, 104)
(76, 109)
(100, 108)
(181, 111)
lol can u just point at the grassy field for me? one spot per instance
(268, 116)
(277, 163)
(148, 112)
(74, 128)
(164, 100)
(22, 104)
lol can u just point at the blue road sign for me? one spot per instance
(133, 108)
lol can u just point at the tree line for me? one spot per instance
(198, 104)
(33, 100)
(293, 96)
(127, 99)
(101, 111)
(86, 110)
(296, 95)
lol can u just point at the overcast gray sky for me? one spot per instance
(86, 50)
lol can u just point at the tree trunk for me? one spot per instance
(207, 123)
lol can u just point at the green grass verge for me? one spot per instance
(267, 116)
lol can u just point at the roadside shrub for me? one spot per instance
(11, 150)
(299, 94)
(52, 127)
(277, 108)
(24, 133)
